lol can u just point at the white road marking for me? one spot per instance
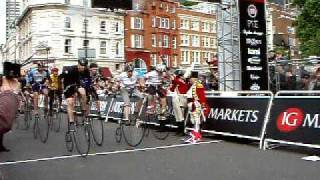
(106, 153)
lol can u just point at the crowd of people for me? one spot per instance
(83, 81)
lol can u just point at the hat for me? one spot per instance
(11, 69)
(54, 69)
(194, 74)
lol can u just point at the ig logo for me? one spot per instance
(252, 11)
(290, 120)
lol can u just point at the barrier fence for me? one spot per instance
(289, 117)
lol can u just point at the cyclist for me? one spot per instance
(55, 89)
(39, 80)
(76, 79)
(127, 83)
(96, 79)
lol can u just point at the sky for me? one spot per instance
(2, 21)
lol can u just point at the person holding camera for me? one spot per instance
(9, 101)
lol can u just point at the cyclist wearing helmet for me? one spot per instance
(96, 79)
(127, 83)
(39, 80)
(76, 79)
(55, 88)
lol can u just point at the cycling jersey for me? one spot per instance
(127, 82)
(38, 77)
(54, 82)
(152, 77)
(72, 76)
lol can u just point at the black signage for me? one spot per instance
(253, 45)
(295, 120)
(241, 115)
(113, 4)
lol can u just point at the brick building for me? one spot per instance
(197, 37)
(282, 30)
(151, 34)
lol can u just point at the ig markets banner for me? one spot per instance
(253, 45)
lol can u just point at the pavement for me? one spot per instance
(216, 158)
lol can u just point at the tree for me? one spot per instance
(308, 26)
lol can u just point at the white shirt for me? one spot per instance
(152, 77)
(127, 82)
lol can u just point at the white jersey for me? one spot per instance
(152, 77)
(126, 82)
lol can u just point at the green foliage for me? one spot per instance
(308, 26)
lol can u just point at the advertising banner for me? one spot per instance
(253, 45)
(237, 115)
(295, 120)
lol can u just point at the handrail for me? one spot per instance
(297, 92)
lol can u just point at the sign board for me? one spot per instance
(253, 45)
(295, 120)
(237, 115)
(91, 53)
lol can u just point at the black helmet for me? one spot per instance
(83, 62)
(93, 65)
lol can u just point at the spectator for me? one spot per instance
(9, 104)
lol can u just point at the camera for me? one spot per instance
(11, 70)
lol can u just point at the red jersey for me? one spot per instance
(180, 84)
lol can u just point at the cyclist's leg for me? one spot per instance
(45, 92)
(51, 99)
(83, 100)
(69, 95)
(35, 94)
(126, 100)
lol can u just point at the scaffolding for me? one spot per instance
(228, 45)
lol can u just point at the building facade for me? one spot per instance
(163, 31)
(197, 37)
(152, 34)
(59, 33)
(281, 31)
(13, 11)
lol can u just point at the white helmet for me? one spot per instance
(161, 67)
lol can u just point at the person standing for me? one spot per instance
(9, 102)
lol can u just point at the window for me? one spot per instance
(196, 57)
(184, 24)
(117, 48)
(136, 23)
(67, 1)
(205, 27)
(67, 22)
(117, 66)
(205, 56)
(185, 40)
(103, 47)
(117, 27)
(213, 43)
(164, 23)
(154, 40)
(103, 26)
(154, 21)
(185, 57)
(67, 46)
(195, 25)
(153, 60)
(165, 41)
(213, 27)
(195, 41)
(85, 43)
(137, 41)
(174, 42)
(173, 24)
(205, 42)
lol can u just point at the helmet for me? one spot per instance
(83, 62)
(161, 67)
(54, 69)
(129, 68)
(93, 65)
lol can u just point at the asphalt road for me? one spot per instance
(152, 160)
